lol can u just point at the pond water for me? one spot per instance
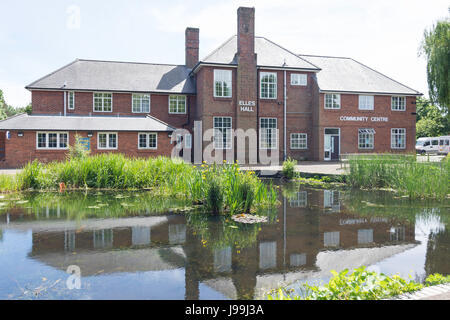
(126, 246)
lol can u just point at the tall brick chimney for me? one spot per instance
(247, 78)
(192, 46)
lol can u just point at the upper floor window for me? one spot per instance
(141, 103)
(268, 85)
(299, 79)
(107, 140)
(398, 138)
(366, 102)
(71, 100)
(299, 141)
(332, 101)
(222, 132)
(52, 140)
(103, 102)
(222, 83)
(268, 133)
(177, 104)
(398, 103)
(365, 138)
(147, 140)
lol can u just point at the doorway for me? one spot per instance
(332, 141)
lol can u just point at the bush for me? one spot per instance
(361, 284)
(289, 168)
(78, 150)
(214, 196)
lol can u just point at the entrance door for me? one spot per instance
(331, 144)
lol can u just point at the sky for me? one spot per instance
(38, 37)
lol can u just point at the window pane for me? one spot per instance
(112, 140)
(52, 140)
(102, 140)
(63, 140)
(42, 140)
(152, 140)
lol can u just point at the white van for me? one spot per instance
(427, 145)
(444, 145)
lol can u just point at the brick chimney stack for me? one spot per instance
(192, 46)
(247, 78)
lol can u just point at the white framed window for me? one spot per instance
(103, 102)
(148, 140)
(398, 138)
(141, 103)
(71, 100)
(365, 102)
(299, 79)
(107, 140)
(398, 103)
(299, 141)
(268, 133)
(222, 132)
(300, 200)
(222, 83)
(268, 85)
(177, 104)
(366, 138)
(332, 101)
(52, 140)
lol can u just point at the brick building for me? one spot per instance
(286, 104)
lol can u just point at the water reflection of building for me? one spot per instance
(313, 234)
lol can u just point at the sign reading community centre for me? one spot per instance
(364, 119)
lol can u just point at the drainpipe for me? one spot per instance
(65, 102)
(284, 121)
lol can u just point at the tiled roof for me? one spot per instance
(96, 75)
(347, 75)
(82, 123)
(269, 54)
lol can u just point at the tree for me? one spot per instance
(436, 47)
(432, 121)
(7, 111)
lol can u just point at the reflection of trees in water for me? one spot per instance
(438, 252)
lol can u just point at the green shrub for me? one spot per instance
(78, 150)
(361, 284)
(214, 196)
(289, 168)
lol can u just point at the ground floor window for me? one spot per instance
(107, 140)
(398, 138)
(366, 138)
(222, 132)
(52, 140)
(268, 133)
(148, 141)
(299, 141)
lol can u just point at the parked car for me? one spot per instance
(427, 145)
(444, 145)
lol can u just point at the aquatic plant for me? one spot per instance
(400, 173)
(289, 168)
(220, 188)
(361, 284)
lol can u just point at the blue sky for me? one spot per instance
(38, 37)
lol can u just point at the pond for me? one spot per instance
(130, 245)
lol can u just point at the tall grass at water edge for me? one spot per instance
(220, 188)
(401, 173)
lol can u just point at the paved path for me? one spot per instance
(10, 171)
(306, 167)
(439, 292)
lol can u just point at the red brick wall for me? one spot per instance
(349, 129)
(192, 46)
(20, 150)
(52, 102)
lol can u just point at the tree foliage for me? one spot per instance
(7, 110)
(432, 121)
(436, 47)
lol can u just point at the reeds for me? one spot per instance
(220, 188)
(401, 173)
